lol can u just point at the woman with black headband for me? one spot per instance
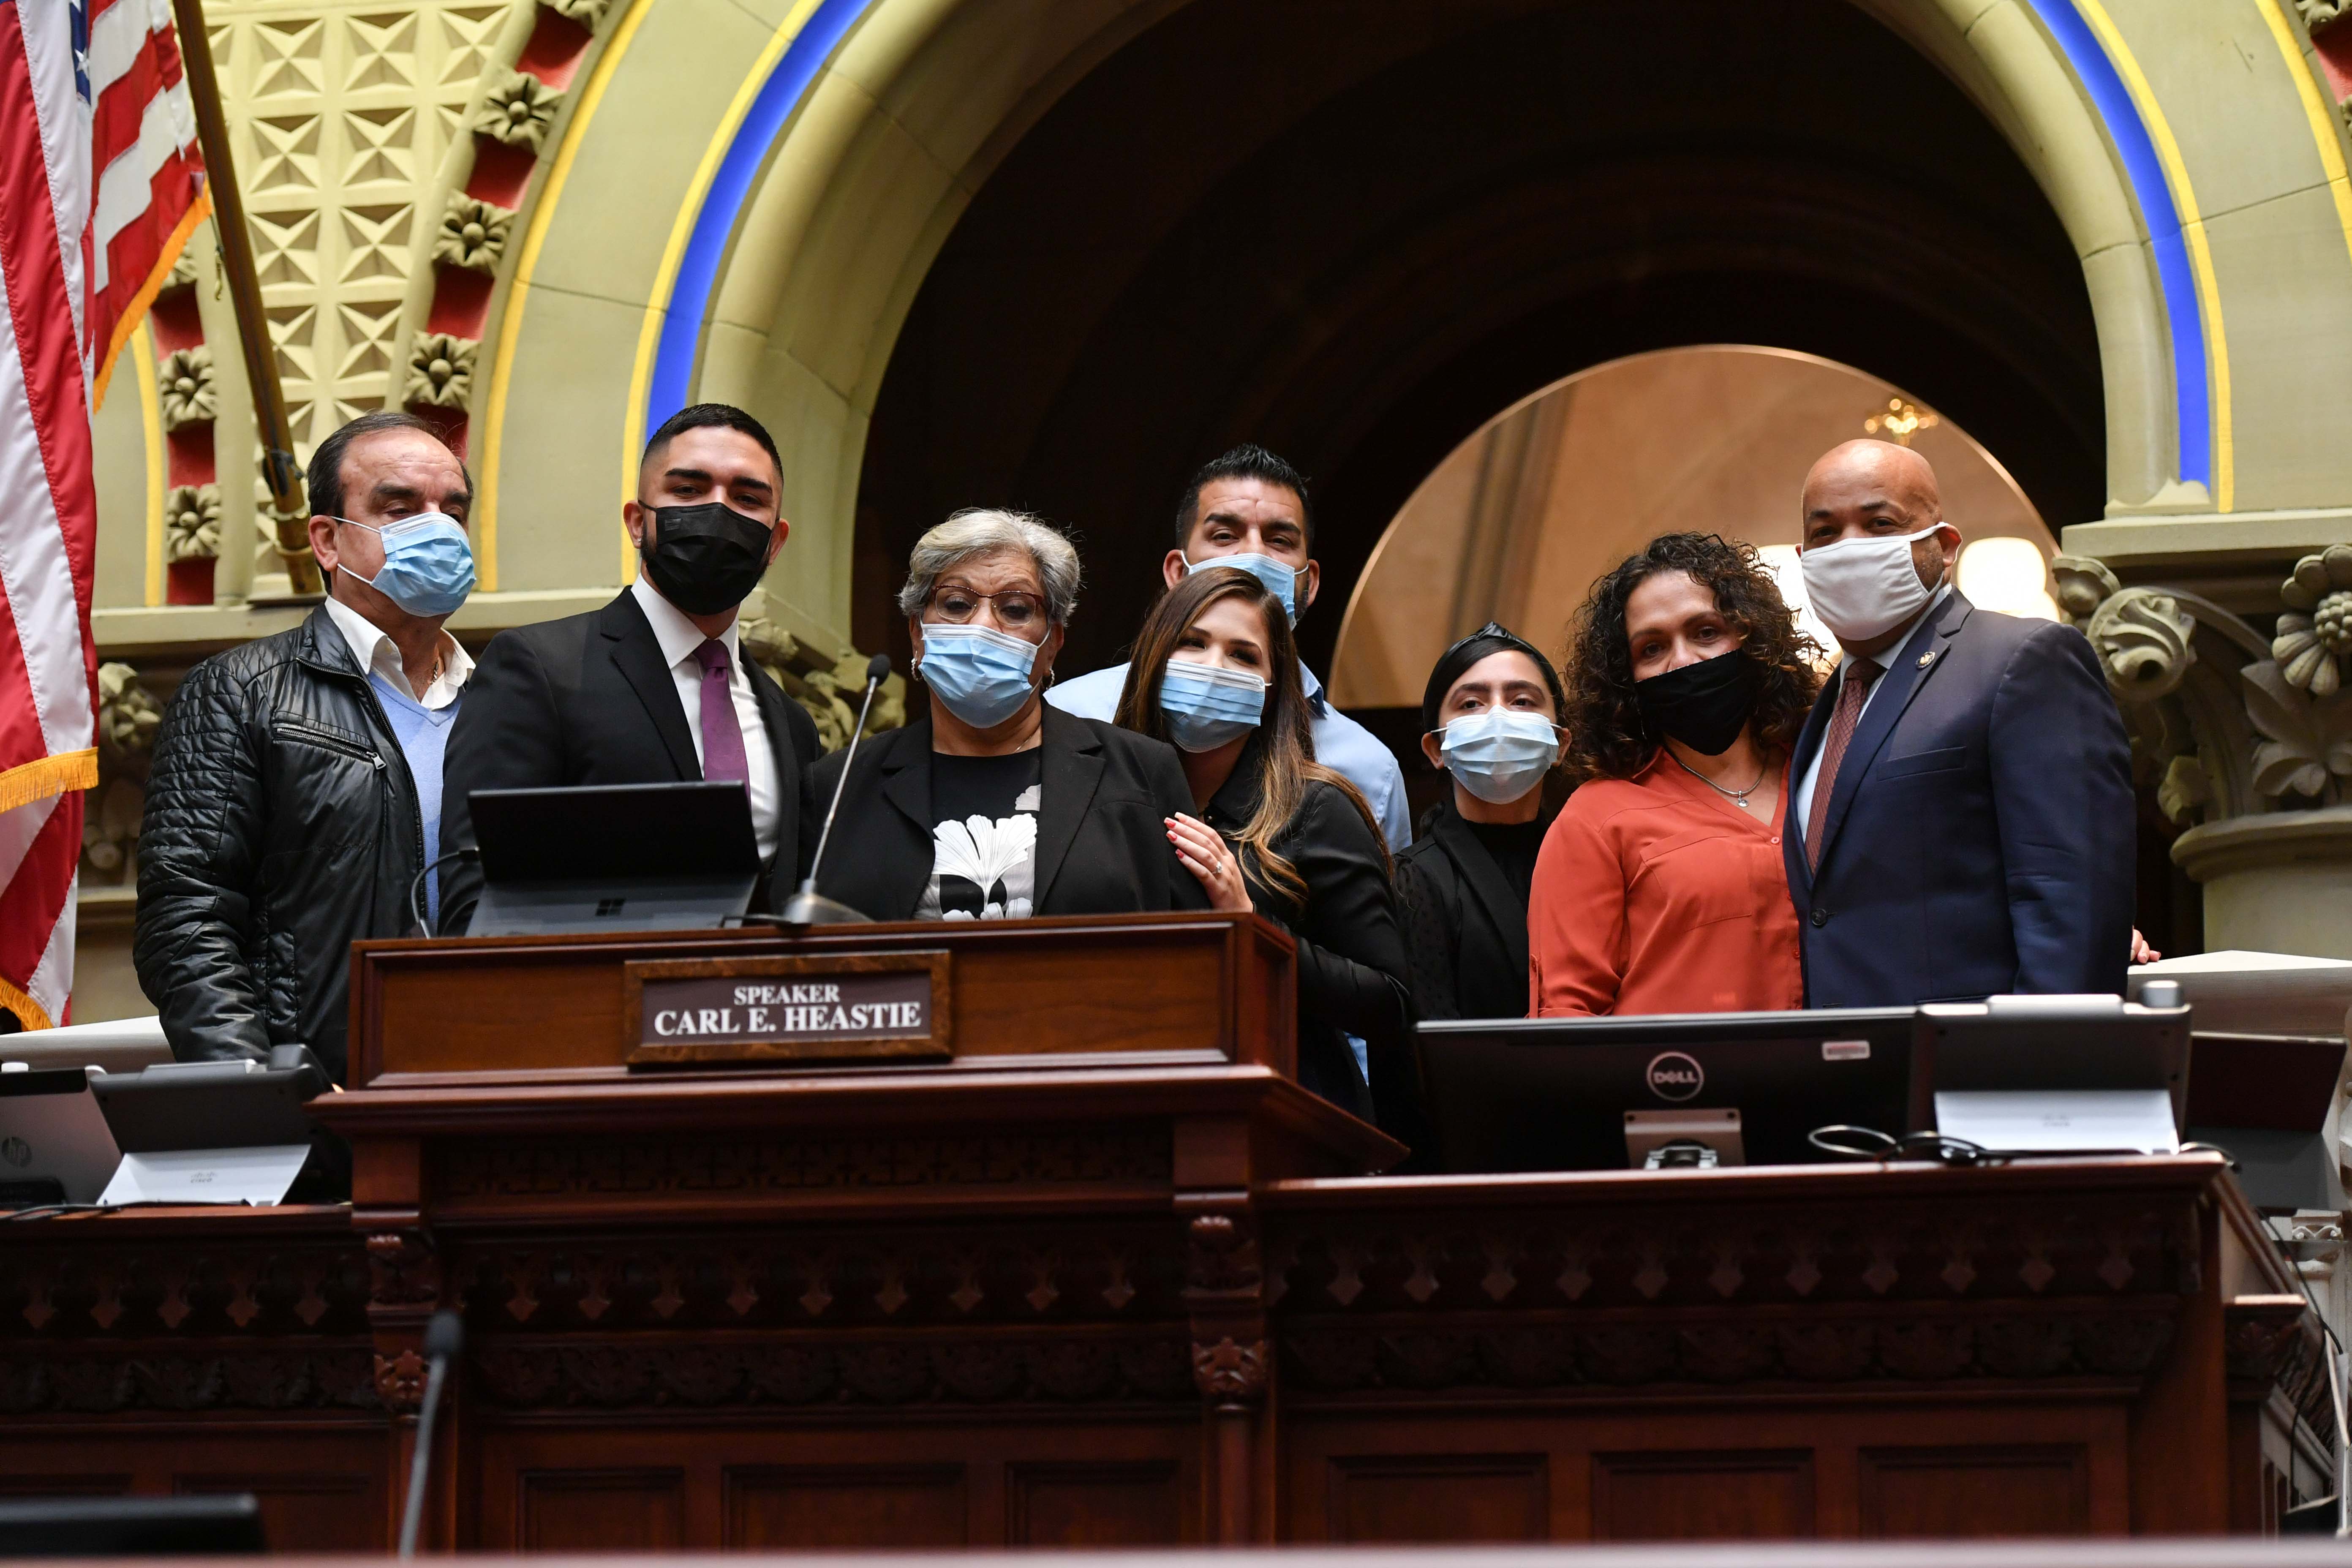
(1490, 718)
(1660, 888)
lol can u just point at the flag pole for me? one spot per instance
(279, 470)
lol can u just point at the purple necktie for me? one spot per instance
(722, 736)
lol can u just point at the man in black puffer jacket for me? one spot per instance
(283, 817)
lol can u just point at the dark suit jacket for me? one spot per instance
(1465, 927)
(1102, 836)
(1352, 971)
(588, 699)
(1980, 836)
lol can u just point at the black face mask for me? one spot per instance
(706, 558)
(1704, 705)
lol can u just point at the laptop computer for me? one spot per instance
(590, 857)
(54, 1145)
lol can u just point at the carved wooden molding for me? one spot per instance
(1438, 1263)
(567, 1167)
(2274, 1342)
(404, 1270)
(825, 1278)
(1338, 1358)
(261, 1380)
(1231, 1374)
(904, 1371)
(213, 1291)
(400, 1381)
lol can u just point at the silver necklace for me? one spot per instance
(1737, 798)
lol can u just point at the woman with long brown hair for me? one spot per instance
(1216, 675)
(1660, 886)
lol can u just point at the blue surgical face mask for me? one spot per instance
(1207, 705)
(1280, 577)
(428, 564)
(1500, 755)
(981, 674)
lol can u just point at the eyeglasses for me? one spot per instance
(1016, 609)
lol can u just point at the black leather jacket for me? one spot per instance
(281, 826)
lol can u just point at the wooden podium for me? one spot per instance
(1022, 1235)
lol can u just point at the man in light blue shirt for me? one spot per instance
(1248, 510)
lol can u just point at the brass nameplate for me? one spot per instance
(852, 1007)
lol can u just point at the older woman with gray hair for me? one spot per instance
(996, 806)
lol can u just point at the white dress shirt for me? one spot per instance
(679, 637)
(1803, 805)
(379, 654)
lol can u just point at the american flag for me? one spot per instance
(101, 184)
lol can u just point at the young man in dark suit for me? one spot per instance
(655, 685)
(1960, 813)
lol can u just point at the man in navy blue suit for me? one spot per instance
(1960, 813)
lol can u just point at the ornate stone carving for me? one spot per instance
(440, 371)
(518, 111)
(2142, 637)
(473, 233)
(1228, 1372)
(2307, 740)
(589, 14)
(2081, 585)
(183, 271)
(192, 518)
(2314, 635)
(183, 381)
(128, 713)
(2186, 788)
(2319, 15)
(829, 694)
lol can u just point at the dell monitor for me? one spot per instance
(1580, 1094)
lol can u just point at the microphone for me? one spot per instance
(445, 1336)
(807, 907)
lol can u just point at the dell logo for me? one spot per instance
(1672, 1075)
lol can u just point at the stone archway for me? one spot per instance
(911, 108)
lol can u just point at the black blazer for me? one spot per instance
(1981, 835)
(588, 699)
(1102, 836)
(1465, 927)
(1352, 972)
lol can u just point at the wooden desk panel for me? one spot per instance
(2054, 1348)
(1199, 987)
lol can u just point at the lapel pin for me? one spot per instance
(1925, 659)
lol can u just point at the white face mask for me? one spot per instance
(1862, 588)
(1500, 755)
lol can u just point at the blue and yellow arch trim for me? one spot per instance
(2093, 46)
(2143, 140)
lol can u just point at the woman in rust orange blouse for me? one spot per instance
(1660, 888)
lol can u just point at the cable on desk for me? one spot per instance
(1869, 1144)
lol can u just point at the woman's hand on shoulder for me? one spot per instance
(1205, 854)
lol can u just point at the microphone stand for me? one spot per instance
(445, 1336)
(807, 907)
